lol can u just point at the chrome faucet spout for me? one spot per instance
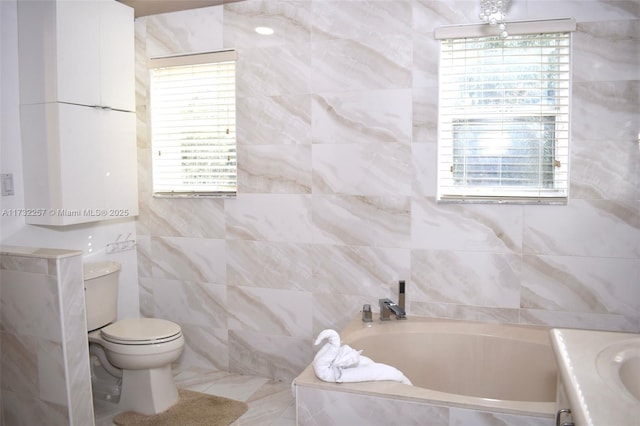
(388, 307)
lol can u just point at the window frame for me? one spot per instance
(216, 190)
(446, 160)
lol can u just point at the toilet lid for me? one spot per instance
(134, 330)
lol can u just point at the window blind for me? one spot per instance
(504, 118)
(193, 125)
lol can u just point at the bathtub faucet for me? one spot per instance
(388, 307)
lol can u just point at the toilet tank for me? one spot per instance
(101, 293)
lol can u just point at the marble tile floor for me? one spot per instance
(270, 402)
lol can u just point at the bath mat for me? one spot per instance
(192, 409)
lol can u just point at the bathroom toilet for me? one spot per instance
(133, 355)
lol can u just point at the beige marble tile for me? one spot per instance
(320, 407)
(192, 31)
(428, 14)
(272, 403)
(606, 51)
(190, 259)
(270, 265)
(334, 19)
(19, 364)
(186, 217)
(465, 312)
(423, 156)
(465, 227)
(264, 355)
(581, 284)
(356, 270)
(24, 264)
(579, 320)
(335, 311)
(347, 169)
(51, 372)
(461, 417)
(481, 279)
(274, 169)
(273, 218)
(595, 228)
(607, 111)
(190, 302)
(600, 10)
(273, 71)
(362, 117)
(274, 120)
(290, 21)
(379, 61)
(382, 221)
(29, 305)
(21, 410)
(205, 348)
(270, 311)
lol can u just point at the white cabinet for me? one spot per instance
(77, 112)
(77, 51)
(86, 171)
(117, 49)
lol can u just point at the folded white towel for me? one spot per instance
(343, 364)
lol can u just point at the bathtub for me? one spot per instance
(463, 373)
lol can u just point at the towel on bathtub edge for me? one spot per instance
(343, 364)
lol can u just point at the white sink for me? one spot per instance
(600, 371)
(630, 375)
(619, 367)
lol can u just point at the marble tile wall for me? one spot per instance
(324, 407)
(336, 126)
(45, 354)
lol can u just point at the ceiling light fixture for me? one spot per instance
(494, 12)
(264, 30)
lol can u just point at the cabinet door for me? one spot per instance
(119, 159)
(98, 163)
(79, 163)
(77, 52)
(117, 48)
(82, 172)
(57, 50)
(39, 160)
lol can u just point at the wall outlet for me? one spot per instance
(6, 180)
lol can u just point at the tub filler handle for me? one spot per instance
(366, 313)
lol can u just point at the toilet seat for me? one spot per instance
(141, 331)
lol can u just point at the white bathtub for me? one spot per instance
(463, 373)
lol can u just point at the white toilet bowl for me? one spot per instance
(144, 349)
(139, 350)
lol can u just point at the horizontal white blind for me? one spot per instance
(193, 127)
(504, 118)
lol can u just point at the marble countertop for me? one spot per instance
(588, 363)
(47, 253)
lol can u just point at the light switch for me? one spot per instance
(7, 184)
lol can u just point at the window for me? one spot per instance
(193, 124)
(504, 117)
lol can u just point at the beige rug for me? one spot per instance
(192, 409)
